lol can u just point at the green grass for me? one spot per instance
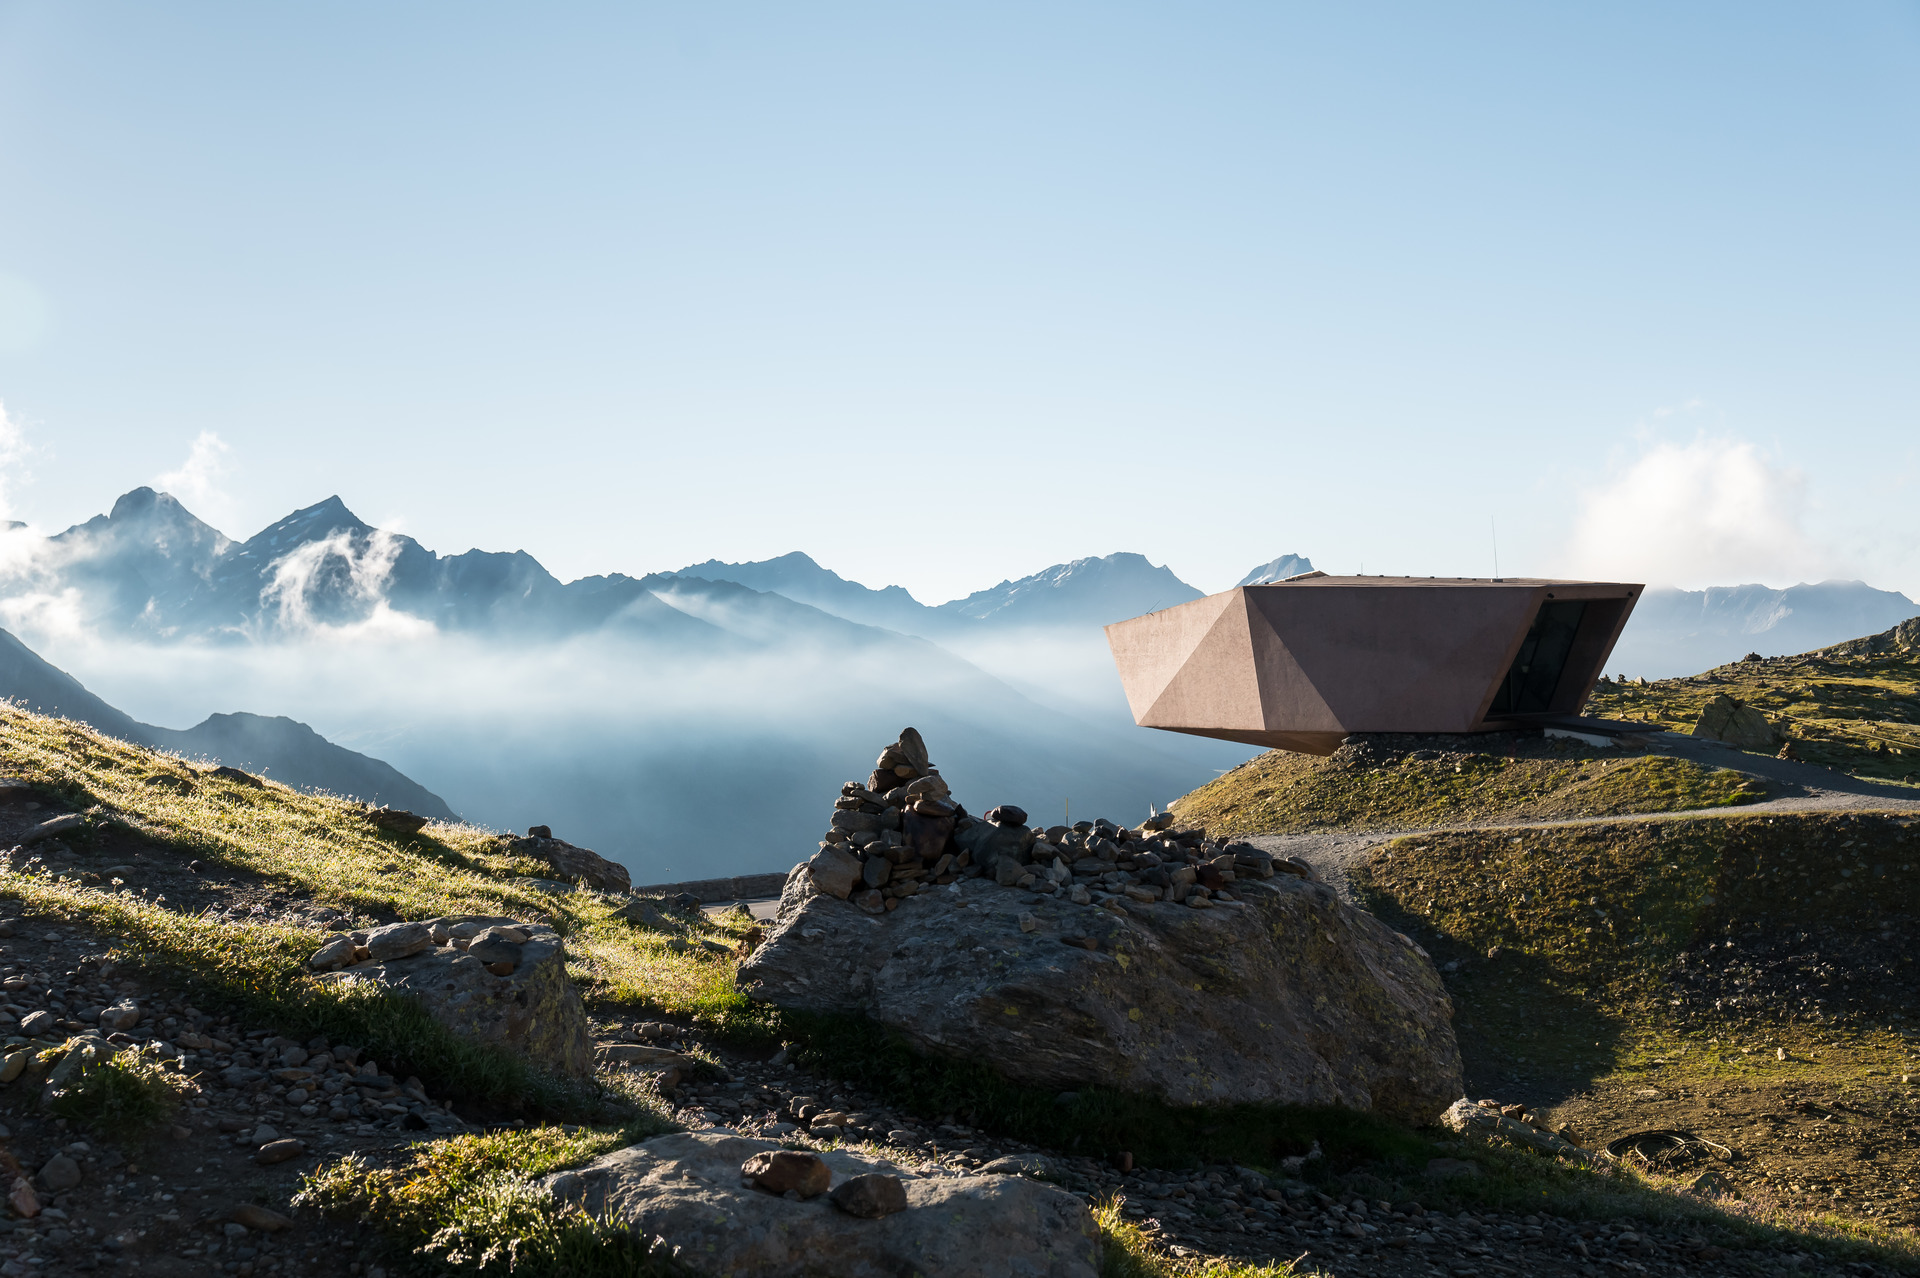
(126, 1098)
(1589, 919)
(1282, 792)
(1858, 711)
(1584, 926)
(468, 1205)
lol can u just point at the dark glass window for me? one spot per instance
(1529, 685)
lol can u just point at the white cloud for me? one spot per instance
(196, 482)
(1716, 511)
(336, 570)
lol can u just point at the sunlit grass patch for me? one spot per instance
(468, 1204)
(320, 844)
(1281, 792)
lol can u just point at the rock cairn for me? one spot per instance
(901, 831)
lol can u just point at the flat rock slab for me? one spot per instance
(686, 1188)
(1292, 997)
(533, 1012)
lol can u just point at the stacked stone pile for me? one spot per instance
(901, 832)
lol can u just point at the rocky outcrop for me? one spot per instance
(1287, 996)
(1741, 726)
(495, 980)
(1146, 960)
(689, 1189)
(1903, 638)
(575, 865)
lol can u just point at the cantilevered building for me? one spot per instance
(1300, 664)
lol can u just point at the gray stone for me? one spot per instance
(395, 820)
(332, 956)
(1742, 727)
(834, 872)
(686, 1189)
(1469, 1118)
(59, 1173)
(52, 829)
(535, 1012)
(397, 941)
(279, 1151)
(574, 864)
(876, 871)
(34, 1024)
(645, 912)
(1292, 998)
(870, 1196)
(788, 1171)
(914, 749)
(495, 949)
(990, 844)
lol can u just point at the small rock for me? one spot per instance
(395, 820)
(279, 1151)
(397, 940)
(1711, 1185)
(1007, 815)
(781, 1171)
(835, 872)
(332, 956)
(871, 1196)
(34, 1024)
(1027, 922)
(489, 948)
(234, 1230)
(59, 1174)
(264, 1134)
(258, 1218)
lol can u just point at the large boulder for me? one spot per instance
(688, 1189)
(526, 1006)
(1286, 995)
(575, 865)
(1740, 726)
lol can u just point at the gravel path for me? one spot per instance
(1334, 853)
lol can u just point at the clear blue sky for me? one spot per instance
(946, 293)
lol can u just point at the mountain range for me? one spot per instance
(1679, 632)
(684, 722)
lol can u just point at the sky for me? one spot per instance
(942, 294)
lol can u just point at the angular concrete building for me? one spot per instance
(1300, 664)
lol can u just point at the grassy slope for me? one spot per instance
(1587, 926)
(1859, 712)
(320, 848)
(1281, 792)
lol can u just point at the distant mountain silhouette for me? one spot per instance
(1278, 570)
(1676, 632)
(1085, 593)
(286, 751)
(797, 577)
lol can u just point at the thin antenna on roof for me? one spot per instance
(1494, 528)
